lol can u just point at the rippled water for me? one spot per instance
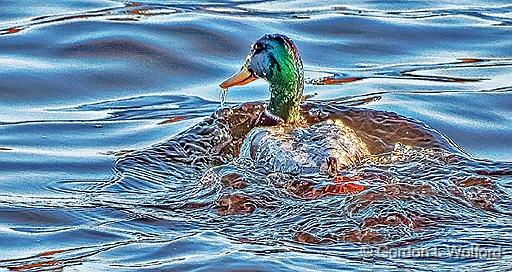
(93, 93)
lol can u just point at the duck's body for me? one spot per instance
(229, 132)
(325, 147)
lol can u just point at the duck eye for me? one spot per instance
(257, 47)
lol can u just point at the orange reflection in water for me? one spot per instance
(172, 120)
(470, 60)
(39, 265)
(332, 81)
(13, 30)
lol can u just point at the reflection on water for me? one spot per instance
(95, 97)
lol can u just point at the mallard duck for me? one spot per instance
(288, 134)
(313, 138)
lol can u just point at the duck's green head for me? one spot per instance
(275, 58)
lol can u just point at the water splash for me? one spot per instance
(223, 94)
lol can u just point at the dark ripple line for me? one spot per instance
(78, 254)
(131, 12)
(404, 71)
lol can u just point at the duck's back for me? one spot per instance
(327, 146)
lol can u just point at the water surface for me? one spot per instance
(86, 86)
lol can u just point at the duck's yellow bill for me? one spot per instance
(243, 77)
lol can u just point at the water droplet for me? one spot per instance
(223, 93)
